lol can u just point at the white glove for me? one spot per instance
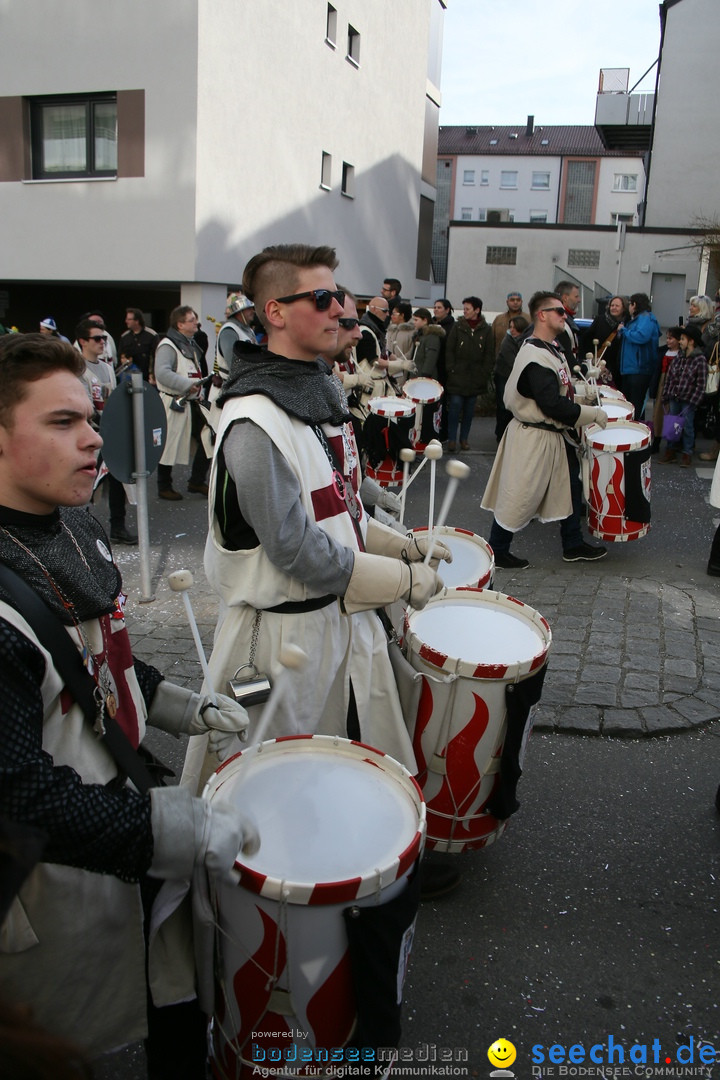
(383, 541)
(591, 414)
(189, 832)
(372, 494)
(352, 379)
(181, 712)
(377, 581)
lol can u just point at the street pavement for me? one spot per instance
(595, 914)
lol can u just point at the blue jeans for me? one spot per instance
(688, 436)
(570, 529)
(460, 411)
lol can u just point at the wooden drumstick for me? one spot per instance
(407, 456)
(419, 468)
(457, 471)
(181, 581)
(292, 658)
(433, 452)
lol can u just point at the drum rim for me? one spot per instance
(471, 669)
(401, 406)
(639, 444)
(308, 893)
(473, 537)
(424, 400)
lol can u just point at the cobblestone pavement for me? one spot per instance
(636, 637)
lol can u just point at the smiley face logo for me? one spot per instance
(502, 1054)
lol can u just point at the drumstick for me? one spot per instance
(457, 471)
(433, 451)
(292, 659)
(181, 581)
(407, 456)
(419, 469)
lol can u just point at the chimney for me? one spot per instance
(530, 125)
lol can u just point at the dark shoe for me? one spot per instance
(713, 571)
(506, 561)
(198, 489)
(685, 461)
(121, 535)
(656, 444)
(437, 879)
(452, 448)
(169, 493)
(464, 445)
(584, 553)
(668, 457)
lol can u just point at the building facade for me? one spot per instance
(147, 151)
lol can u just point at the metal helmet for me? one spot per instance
(237, 302)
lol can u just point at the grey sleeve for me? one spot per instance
(269, 499)
(165, 358)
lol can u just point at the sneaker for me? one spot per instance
(506, 561)
(584, 553)
(169, 493)
(198, 489)
(121, 535)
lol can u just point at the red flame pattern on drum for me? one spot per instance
(460, 793)
(252, 986)
(331, 1011)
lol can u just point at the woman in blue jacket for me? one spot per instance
(639, 352)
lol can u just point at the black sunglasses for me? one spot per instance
(101, 338)
(323, 298)
(348, 324)
(557, 310)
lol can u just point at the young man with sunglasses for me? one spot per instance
(536, 473)
(291, 552)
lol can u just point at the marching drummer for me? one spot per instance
(291, 551)
(536, 473)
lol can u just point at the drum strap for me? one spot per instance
(343, 484)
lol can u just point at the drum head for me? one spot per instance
(611, 393)
(328, 811)
(619, 436)
(617, 409)
(423, 390)
(473, 562)
(482, 635)
(391, 406)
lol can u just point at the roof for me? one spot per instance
(551, 141)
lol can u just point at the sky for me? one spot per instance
(506, 59)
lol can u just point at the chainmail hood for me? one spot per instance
(92, 591)
(306, 390)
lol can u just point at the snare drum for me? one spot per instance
(342, 826)
(617, 408)
(473, 562)
(617, 476)
(611, 393)
(424, 392)
(474, 649)
(386, 432)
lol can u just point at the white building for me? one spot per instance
(148, 150)
(659, 252)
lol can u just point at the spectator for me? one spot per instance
(469, 358)
(683, 391)
(639, 352)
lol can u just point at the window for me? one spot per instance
(508, 179)
(482, 215)
(484, 177)
(466, 213)
(348, 180)
(584, 257)
(579, 192)
(326, 171)
(626, 218)
(625, 182)
(538, 217)
(501, 256)
(541, 179)
(353, 46)
(469, 176)
(74, 136)
(331, 26)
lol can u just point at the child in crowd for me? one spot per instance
(669, 354)
(683, 391)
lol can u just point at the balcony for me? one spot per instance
(623, 120)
